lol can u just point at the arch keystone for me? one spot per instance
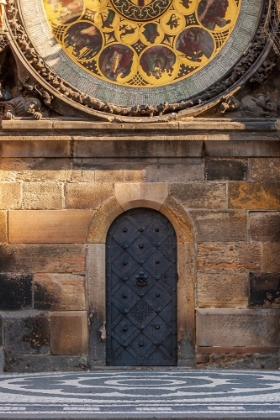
(131, 195)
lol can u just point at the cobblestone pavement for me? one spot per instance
(136, 394)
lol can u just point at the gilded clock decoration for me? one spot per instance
(142, 43)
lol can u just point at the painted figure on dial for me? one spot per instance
(158, 60)
(85, 40)
(68, 10)
(115, 61)
(211, 13)
(195, 43)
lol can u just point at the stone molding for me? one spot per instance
(186, 126)
(190, 138)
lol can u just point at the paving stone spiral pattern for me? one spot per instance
(136, 394)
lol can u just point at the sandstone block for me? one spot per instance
(253, 195)
(49, 226)
(179, 218)
(15, 291)
(226, 256)
(47, 195)
(222, 289)
(142, 148)
(35, 170)
(181, 170)
(87, 196)
(264, 289)
(242, 327)
(35, 147)
(102, 219)
(264, 226)
(200, 195)
(131, 195)
(42, 258)
(220, 226)
(3, 226)
(264, 170)
(43, 363)
(26, 332)
(109, 173)
(10, 195)
(69, 333)
(254, 146)
(226, 169)
(97, 302)
(83, 171)
(60, 292)
(90, 170)
(186, 304)
(271, 260)
(96, 279)
(135, 171)
(109, 170)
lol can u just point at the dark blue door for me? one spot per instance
(141, 272)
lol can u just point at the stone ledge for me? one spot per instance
(196, 124)
(191, 138)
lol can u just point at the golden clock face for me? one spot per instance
(142, 43)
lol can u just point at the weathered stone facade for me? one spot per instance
(203, 151)
(60, 191)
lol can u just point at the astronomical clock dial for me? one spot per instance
(142, 43)
(140, 56)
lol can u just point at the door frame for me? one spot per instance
(130, 217)
(96, 270)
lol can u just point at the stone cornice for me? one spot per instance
(200, 125)
(193, 138)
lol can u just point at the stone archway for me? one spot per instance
(154, 196)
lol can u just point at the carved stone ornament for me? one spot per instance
(168, 59)
(250, 106)
(23, 106)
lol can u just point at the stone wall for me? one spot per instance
(54, 215)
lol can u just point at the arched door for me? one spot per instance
(141, 272)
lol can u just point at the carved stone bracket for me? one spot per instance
(4, 42)
(252, 66)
